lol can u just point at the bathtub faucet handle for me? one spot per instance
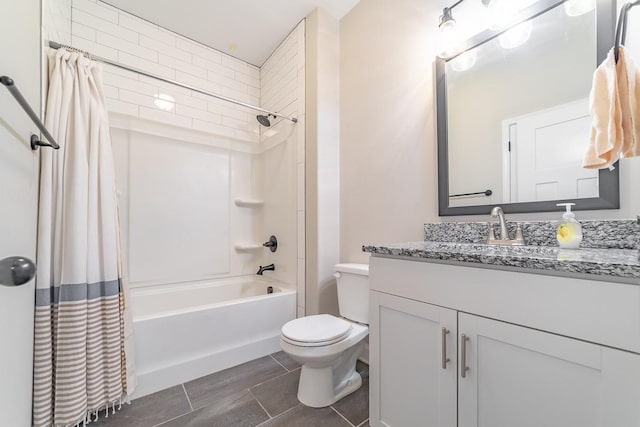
(272, 244)
(262, 269)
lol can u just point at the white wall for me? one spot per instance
(388, 150)
(20, 30)
(282, 81)
(323, 161)
(116, 35)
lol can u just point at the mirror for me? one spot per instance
(513, 121)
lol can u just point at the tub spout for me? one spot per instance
(262, 269)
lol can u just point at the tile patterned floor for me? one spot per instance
(257, 393)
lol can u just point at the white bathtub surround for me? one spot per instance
(176, 192)
(185, 332)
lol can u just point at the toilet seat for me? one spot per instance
(315, 331)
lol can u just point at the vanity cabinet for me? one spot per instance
(522, 377)
(414, 353)
(517, 373)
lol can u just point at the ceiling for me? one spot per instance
(253, 27)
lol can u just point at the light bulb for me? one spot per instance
(579, 7)
(464, 61)
(447, 34)
(164, 102)
(516, 36)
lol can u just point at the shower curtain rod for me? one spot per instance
(56, 45)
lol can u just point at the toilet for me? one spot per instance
(327, 346)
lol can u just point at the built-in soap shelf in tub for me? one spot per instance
(247, 247)
(248, 203)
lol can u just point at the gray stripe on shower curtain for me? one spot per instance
(76, 292)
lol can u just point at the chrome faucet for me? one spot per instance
(262, 269)
(504, 233)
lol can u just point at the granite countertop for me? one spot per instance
(610, 263)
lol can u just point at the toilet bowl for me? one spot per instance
(328, 346)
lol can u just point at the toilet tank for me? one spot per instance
(353, 291)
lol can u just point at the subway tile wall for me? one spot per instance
(282, 82)
(109, 32)
(56, 21)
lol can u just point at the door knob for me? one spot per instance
(16, 271)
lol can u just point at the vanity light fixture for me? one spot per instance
(502, 15)
(579, 7)
(447, 37)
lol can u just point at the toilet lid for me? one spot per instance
(320, 328)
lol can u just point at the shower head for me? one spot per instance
(264, 119)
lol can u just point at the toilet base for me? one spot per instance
(316, 387)
(323, 386)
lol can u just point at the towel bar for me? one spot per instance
(15, 92)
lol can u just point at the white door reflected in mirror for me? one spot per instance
(543, 152)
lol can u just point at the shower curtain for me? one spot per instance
(82, 350)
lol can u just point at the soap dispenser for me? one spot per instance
(569, 232)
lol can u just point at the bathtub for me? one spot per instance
(186, 331)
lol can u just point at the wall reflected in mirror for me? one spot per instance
(517, 113)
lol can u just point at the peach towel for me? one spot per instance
(615, 126)
(629, 90)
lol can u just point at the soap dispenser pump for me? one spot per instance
(569, 232)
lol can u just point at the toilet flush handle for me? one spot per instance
(337, 275)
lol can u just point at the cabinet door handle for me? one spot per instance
(463, 361)
(444, 348)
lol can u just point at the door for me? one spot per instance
(544, 153)
(20, 28)
(522, 377)
(413, 369)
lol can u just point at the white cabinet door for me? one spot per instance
(523, 377)
(411, 384)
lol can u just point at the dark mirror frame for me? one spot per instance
(609, 190)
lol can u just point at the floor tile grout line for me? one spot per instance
(171, 419)
(363, 423)
(187, 394)
(278, 416)
(160, 424)
(260, 403)
(276, 360)
(342, 416)
(273, 378)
